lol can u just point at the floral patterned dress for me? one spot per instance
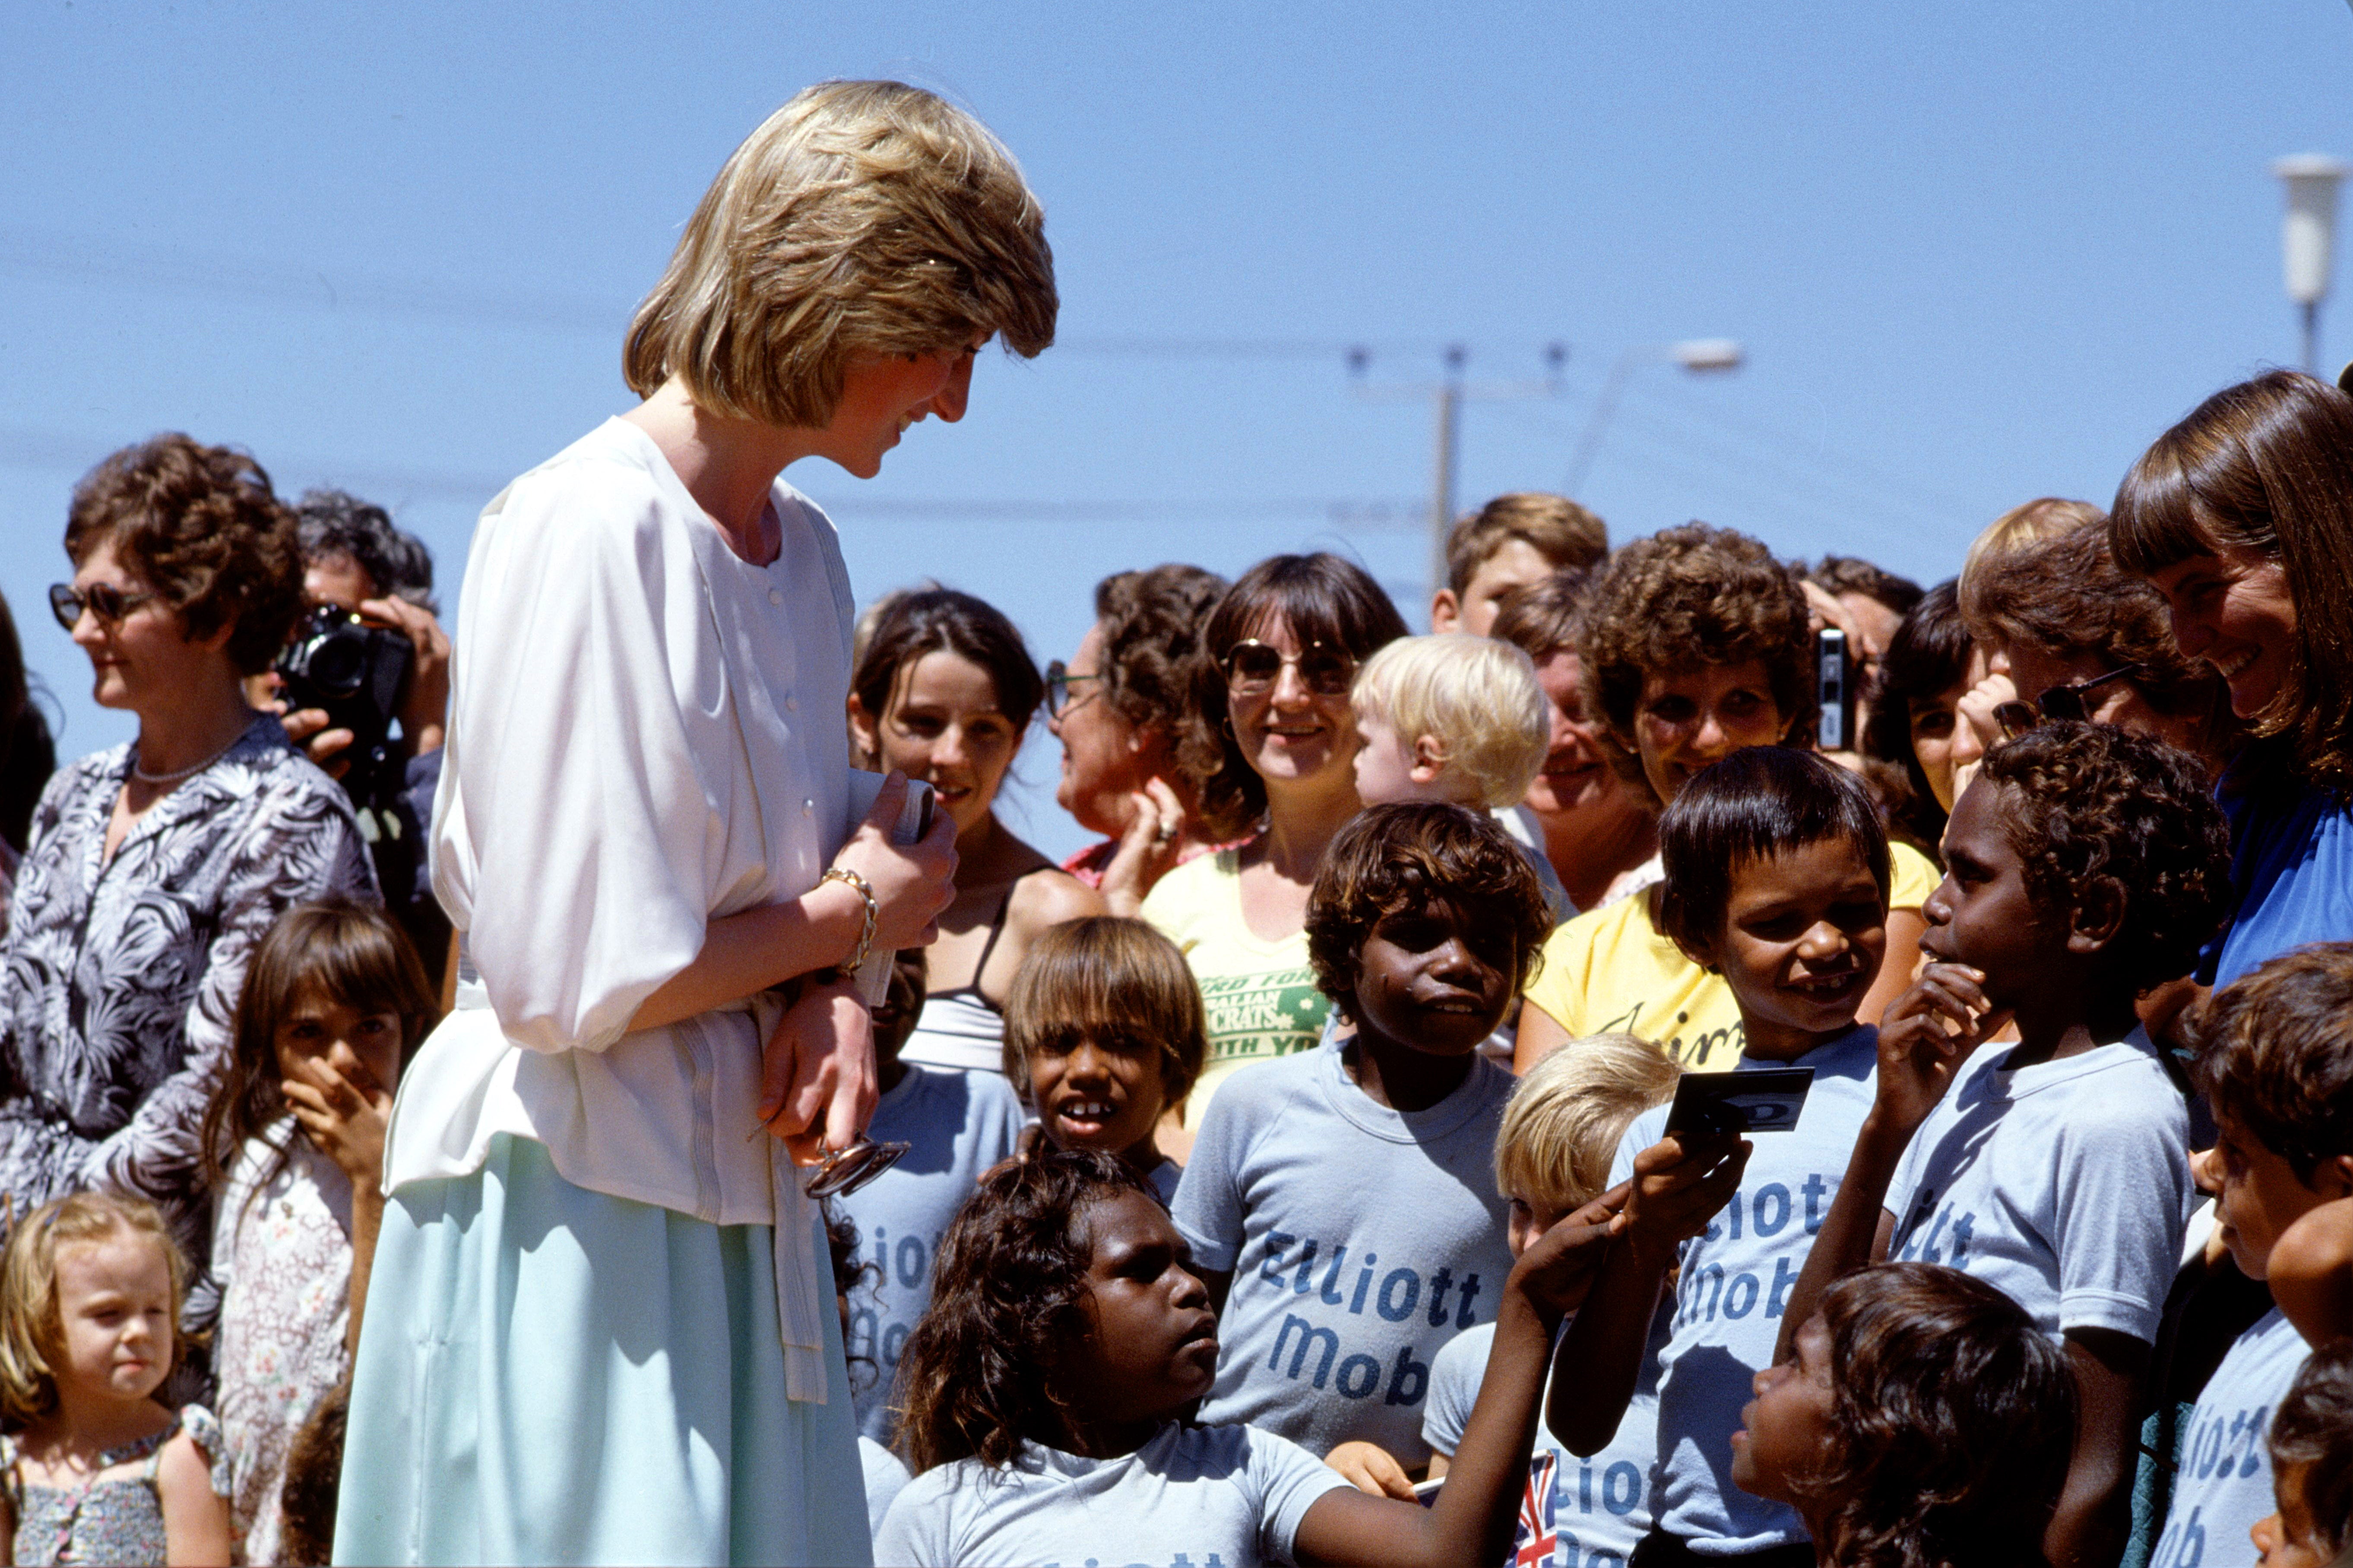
(119, 978)
(282, 1257)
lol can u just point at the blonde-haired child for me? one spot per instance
(1560, 1131)
(1458, 720)
(98, 1469)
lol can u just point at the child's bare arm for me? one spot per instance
(1923, 1039)
(1472, 1519)
(195, 1518)
(1679, 1184)
(2095, 1510)
(2311, 1272)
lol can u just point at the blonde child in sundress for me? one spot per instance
(97, 1468)
(333, 1001)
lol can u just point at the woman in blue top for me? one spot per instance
(2242, 516)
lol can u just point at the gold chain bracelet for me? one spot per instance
(850, 966)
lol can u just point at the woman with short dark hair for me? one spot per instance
(1271, 744)
(154, 867)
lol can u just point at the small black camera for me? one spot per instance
(356, 672)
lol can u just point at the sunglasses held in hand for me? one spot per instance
(2055, 702)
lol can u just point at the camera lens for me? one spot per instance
(339, 661)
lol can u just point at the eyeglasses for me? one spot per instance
(2055, 702)
(1059, 681)
(843, 1171)
(1253, 666)
(108, 603)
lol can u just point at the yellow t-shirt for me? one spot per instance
(1613, 969)
(1259, 996)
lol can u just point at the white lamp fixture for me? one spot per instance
(2307, 237)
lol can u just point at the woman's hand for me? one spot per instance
(912, 882)
(1372, 1468)
(1923, 1037)
(1148, 850)
(344, 1113)
(817, 1087)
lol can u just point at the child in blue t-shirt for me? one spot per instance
(2311, 1451)
(2275, 1061)
(2085, 866)
(958, 1125)
(1051, 1384)
(1339, 1202)
(1103, 1031)
(1777, 875)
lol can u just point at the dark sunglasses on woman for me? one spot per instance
(1059, 681)
(2055, 702)
(104, 600)
(1253, 666)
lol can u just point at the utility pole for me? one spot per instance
(1447, 395)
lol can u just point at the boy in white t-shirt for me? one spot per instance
(1338, 1202)
(1778, 876)
(2275, 1061)
(2085, 866)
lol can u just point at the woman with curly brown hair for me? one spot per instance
(155, 867)
(1118, 708)
(1272, 741)
(2241, 517)
(1920, 1420)
(1694, 643)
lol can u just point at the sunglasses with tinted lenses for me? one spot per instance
(108, 603)
(2055, 702)
(1253, 666)
(1059, 681)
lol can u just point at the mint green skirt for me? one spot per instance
(549, 1375)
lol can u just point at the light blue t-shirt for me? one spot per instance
(2224, 1484)
(1193, 1497)
(1734, 1292)
(886, 1478)
(960, 1124)
(1361, 1240)
(2065, 1185)
(1599, 1506)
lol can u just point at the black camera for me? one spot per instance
(356, 672)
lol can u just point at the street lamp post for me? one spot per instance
(1698, 356)
(2306, 237)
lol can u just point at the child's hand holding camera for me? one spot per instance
(1679, 1184)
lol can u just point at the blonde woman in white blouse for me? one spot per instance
(601, 1326)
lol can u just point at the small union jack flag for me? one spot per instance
(1537, 1537)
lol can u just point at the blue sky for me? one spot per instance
(1975, 255)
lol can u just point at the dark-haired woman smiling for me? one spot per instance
(154, 867)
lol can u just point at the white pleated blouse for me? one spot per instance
(645, 732)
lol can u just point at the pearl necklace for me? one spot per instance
(143, 776)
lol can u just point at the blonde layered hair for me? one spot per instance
(864, 217)
(1562, 1126)
(1477, 697)
(32, 1336)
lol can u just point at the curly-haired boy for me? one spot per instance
(2085, 866)
(1339, 1202)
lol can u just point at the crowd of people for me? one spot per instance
(1511, 1094)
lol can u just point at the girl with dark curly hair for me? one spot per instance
(1920, 1420)
(1051, 1387)
(2086, 865)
